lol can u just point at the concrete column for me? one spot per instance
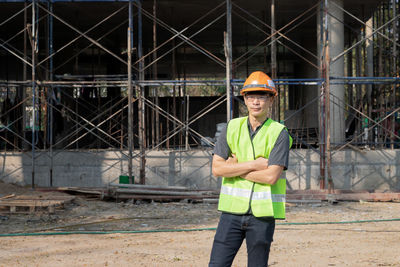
(336, 46)
(309, 92)
(369, 51)
(369, 54)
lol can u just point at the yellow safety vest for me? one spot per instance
(237, 194)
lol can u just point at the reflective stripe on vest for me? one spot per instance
(239, 192)
(239, 195)
(266, 195)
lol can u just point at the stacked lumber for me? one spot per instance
(31, 204)
(154, 192)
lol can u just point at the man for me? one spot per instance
(251, 155)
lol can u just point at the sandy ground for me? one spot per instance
(342, 244)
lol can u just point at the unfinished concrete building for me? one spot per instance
(95, 90)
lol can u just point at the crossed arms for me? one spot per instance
(256, 170)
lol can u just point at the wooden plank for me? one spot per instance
(158, 197)
(31, 207)
(156, 192)
(39, 197)
(155, 187)
(30, 203)
(8, 196)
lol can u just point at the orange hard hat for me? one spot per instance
(259, 81)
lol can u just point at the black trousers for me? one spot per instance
(231, 231)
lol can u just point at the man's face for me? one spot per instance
(258, 105)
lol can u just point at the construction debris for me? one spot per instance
(136, 191)
(341, 195)
(87, 192)
(169, 193)
(8, 196)
(31, 204)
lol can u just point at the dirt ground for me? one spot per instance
(340, 244)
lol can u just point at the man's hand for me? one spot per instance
(260, 164)
(269, 175)
(231, 167)
(232, 160)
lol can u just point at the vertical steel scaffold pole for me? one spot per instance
(24, 75)
(228, 55)
(50, 98)
(327, 102)
(394, 72)
(322, 127)
(275, 112)
(33, 44)
(187, 124)
(130, 95)
(155, 74)
(142, 131)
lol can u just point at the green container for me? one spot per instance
(124, 179)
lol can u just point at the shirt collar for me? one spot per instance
(252, 133)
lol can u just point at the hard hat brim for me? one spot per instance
(258, 89)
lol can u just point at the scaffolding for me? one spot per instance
(136, 107)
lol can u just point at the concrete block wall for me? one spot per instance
(366, 170)
(99, 168)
